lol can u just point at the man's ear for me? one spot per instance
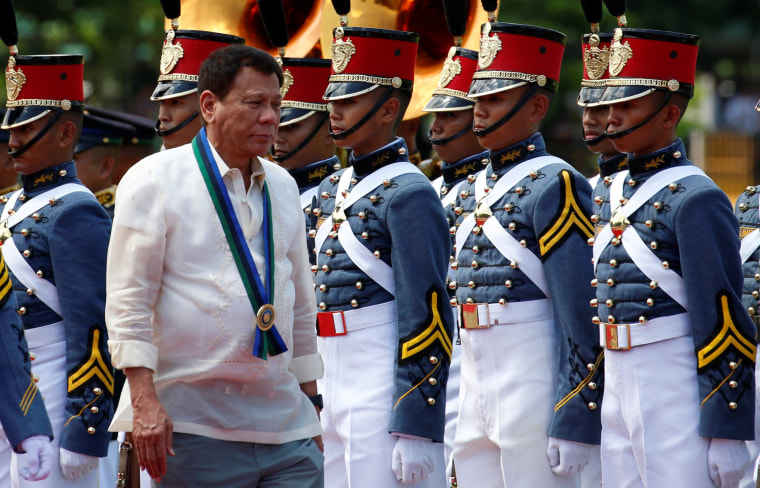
(67, 134)
(539, 106)
(207, 104)
(389, 110)
(672, 116)
(107, 165)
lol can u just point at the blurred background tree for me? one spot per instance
(121, 41)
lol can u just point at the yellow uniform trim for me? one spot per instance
(582, 384)
(417, 385)
(720, 385)
(432, 333)
(95, 366)
(572, 215)
(727, 336)
(29, 395)
(6, 286)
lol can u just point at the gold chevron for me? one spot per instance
(6, 286)
(95, 366)
(435, 331)
(728, 335)
(29, 395)
(572, 215)
(582, 384)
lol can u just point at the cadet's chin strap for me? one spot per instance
(307, 139)
(446, 140)
(364, 119)
(618, 135)
(520, 103)
(168, 132)
(596, 140)
(34, 140)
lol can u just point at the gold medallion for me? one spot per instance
(482, 211)
(265, 317)
(14, 79)
(451, 68)
(489, 47)
(596, 60)
(170, 54)
(341, 51)
(5, 232)
(338, 216)
(287, 82)
(619, 222)
(620, 53)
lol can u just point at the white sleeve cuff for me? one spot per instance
(133, 354)
(307, 368)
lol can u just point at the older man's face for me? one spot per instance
(248, 117)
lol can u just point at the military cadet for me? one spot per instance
(137, 143)
(680, 346)
(456, 144)
(382, 254)
(303, 144)
(8, 177)
(25, 423)
(177, 90)
(529, 389)
(96, 154)
(55, 238)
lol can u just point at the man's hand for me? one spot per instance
(74, 465)
(36, 460)
(413, 459)
(151, 425)
(726, 460)
(567, 458)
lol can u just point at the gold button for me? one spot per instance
(94, 409)
(97, 390)
(431, 401)
(90, 430)
(433, 381)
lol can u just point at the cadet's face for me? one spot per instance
(594, 125)
(37, 157)
(291, 136)
(489, 109)
(246, 120)
(646, 139)
(6, 163)
(347, 112)
(174, 111)
(446, 124)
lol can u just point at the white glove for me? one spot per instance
(726, 460)
(35, 463)
(567, 458)
(75, 465)
(413, 459)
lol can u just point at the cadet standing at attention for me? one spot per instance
(530, 393)
(55, 235)
(177, 90)
(680, 346)
(383, 245)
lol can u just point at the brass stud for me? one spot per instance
(733, 384)
(642, 319)
(97, 390)
(21, 310)
(590, 366)
(432, 381)
(359, 285)
(508, 284)
(598, 200)
(609, 302)
(431, 401)
(322, 306)
(514, 264)
(591, 405)
(650, 302)
(594, 302)
(433, 360)
(90, 430)
(376, 253)
(323, 287)
(592, 386)
(733, 405)
(611, 319)
(596, 320)
(594, 218)
(472, 284)
(355, 303)
(94, 409)
(594, 282)
(325, 195)
(590, 241)
(610, 282)
(62, 172)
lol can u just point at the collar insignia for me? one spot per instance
(341, 51)
(489, 47)
(318, 173)
(170, 54)
(510, 156)
(14, 79)
(654, 163)
(620, 53)
(596, 60)
(465, 170)
(451, 68)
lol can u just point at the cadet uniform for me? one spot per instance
(384, 323)
(668, 293)
(22, 411)
(529, 355)
(56, 233)
(746, 210)
(305, 81)
(451, 95)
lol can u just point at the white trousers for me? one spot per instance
(358, 390)
(506, 404)
(50, 365)
(452, 404)
(750, 474)
(650, 418)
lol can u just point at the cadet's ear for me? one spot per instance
(672, 116)
(539, 106)
(207, 104)
(389, 110)
(68, 134)
(107, 165)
